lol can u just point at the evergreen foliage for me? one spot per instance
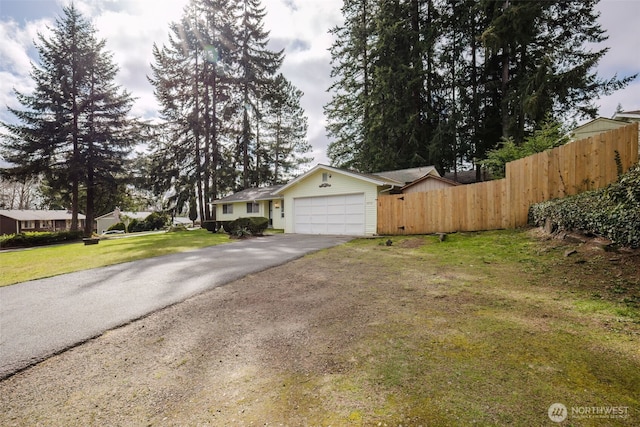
(442, 81)
(551, 135)
(217, 84)
(283, 143)
(74, 130)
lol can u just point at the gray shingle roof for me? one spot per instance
(132, 215)
(407, 176)
(251, 195)
(41, 215)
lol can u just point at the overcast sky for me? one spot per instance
(299, 26)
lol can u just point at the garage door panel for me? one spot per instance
(336, 209)
(336, 229)
(336, 219)
(341, 214)
(353, 209)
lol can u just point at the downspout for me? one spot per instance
(389, 189)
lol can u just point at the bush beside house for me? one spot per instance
(250, 226)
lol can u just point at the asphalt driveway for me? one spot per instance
(44, 317)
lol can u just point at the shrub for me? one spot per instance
(177, 229)
(210, 225)
(135, 225)
(153, 221)
(118, 226)
(156, 221)
(242, 227)
(550, 135)
(612, 212)
(38, 238)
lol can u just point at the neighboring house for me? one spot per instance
(428, 183)
(182, 220)
(629, 117)
(595, 127)
(468, 176)
(260, 201)
(18, 221)
(107, 220)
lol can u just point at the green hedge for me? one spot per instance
(38, 238)
(254, 226)
(210, 225)
(118, 226)
(612, 212)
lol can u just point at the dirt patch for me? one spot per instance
(362, 334)
(411, 243)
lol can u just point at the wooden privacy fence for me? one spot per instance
(572, 168)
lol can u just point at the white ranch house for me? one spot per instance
(327, 200)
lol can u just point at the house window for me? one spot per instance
(28, 224)
(253, 208)
(227, 209)
(282, 208)
(325, 176)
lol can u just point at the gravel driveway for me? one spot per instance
(44, 317)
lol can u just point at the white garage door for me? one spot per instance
(330, 215)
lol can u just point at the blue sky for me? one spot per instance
(299, 26)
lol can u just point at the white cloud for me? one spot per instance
(299, 26)
(619, 18)
(15, 50)
(130, 29)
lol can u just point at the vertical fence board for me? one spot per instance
(504, 203)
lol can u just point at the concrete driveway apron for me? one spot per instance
(44, 317)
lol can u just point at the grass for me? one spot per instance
(482, 329)
(36, 263)
(491, 329)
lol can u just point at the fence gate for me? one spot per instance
(391, 208)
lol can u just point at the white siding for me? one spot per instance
(336, 184)
(596, 127)
(240, 211)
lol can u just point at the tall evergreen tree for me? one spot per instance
(284, 138)
(441, 81)
(212, 80)
(192, 81)
(74, 129)
(257, 65)
(348, 111)
(395, 133)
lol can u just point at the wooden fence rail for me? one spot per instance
(572, 168)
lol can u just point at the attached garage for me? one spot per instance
(340, 214)
(328, 200)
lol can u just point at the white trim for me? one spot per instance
(379, 182)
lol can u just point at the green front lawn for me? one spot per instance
(36, 263)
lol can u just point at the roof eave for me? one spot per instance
(378, 182)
